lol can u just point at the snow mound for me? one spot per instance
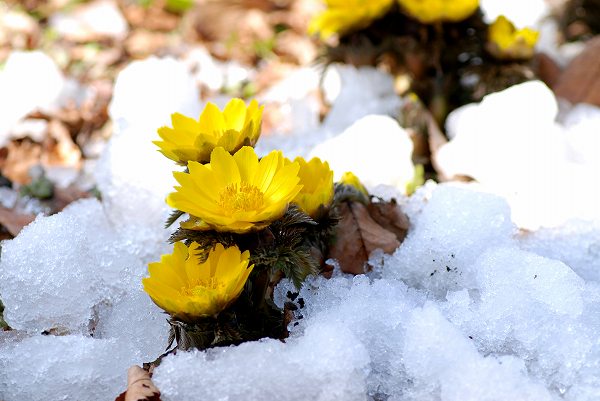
(514, 144)
(71, 367)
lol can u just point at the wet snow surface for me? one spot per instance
(469, 307)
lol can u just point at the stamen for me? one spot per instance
(246, 198)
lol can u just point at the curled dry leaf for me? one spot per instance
(142, 43)
(212, 20)
(358, 234)
(139, 386)
(13, 221)
(19, 157)
(63, 197)
(390, 216)
(580, 81)
(154, 17)
(547, 69)
(60, 150)
(295, 48)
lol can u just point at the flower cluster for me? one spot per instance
(431, 11)
(444, 51)
(340, 17)
(509, 43)
(247, 217)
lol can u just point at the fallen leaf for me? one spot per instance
(390, 216)
(154, 17)
(142, 43)
(357, 235)
(139, 386)
(296, 48)
(20, 157)
(212, 21)
(547, 69)
(14, 221)
(59, 149)
(580, 81)
(63, 197)
(18, 30)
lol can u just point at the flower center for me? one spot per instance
(200, 288)
(244, 198)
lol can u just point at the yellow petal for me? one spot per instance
(211, 119)
(267, 168)
(224, 167)
(247, 162)
(235, 114)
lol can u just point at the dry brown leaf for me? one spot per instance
(272, 72)
(547, 69)
(390, 216)
(63, 197)
(139, 386)
(60, 150)
(153, 17)
(580, 81)
(296, 14)
(20, 157)
(357, 236)
(142, 43)
(295, 48)
(436, 139)
(18, 30)
(14, 221)
(213, 20)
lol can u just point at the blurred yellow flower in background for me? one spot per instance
(508, 42)
(348, 178)
(187, 289)
(194, 140)
(316, 179)
(235, 193)
(430, 11)
(341, 16)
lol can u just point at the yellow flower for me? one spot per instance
(352, 180)
(341, 16)
(317, 185)
(235, 193)
(234, 127)
(508, 42)
(430, 11)
(187, 289)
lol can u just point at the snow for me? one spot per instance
(576, 243)
(382, 157)
(327, 363)
(357, 92)
(521, 14)
(440, 359)
(455, 227)
(98, 19)
(517, 144)
(215, 74)
(147, 92)
(131, 172)
(33, 73)
(342, 86)
(66, 263)
(469, 307)
(71, 367)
